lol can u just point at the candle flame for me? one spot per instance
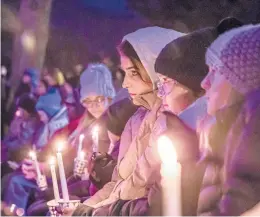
(12, 207)
(32, 155)
(82, 155)
(60, 145)
(95, 129)
(81, 137)
(166, 150)
(18, 113)
(52, 160)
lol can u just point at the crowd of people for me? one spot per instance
(201, 90)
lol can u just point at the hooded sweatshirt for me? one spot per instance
(147, 42)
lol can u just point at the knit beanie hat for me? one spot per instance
(96, 79)
(236, 56)
(50, 103)
(183, 59)
(34, 75)
(27, 103)
(118, 114)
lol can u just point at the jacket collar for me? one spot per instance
(147, 100)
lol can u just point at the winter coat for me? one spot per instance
(231, 183)
(146, 44)
(128, 135)
(146, 175)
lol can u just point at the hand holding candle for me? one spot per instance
(80, 164)
(41, 179)
(33, 156)
(81, 138)
(170, 178)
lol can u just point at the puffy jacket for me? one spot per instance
(128, 135)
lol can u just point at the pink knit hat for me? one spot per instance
(236, 55)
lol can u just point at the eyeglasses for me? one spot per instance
(165, 88)
(98, 101)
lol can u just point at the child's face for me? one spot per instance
(40, 89)
(26, 79)
(96, 105)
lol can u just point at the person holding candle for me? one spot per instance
(53, 116)
(15, 144)
(146, 177)
(96, 93)
(101, 166)
(232, 88)
(138, 52)
(133, 186)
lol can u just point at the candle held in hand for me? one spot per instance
(170, 178)
(33, 156)
(81, 138)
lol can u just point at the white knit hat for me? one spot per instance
(96, 79)
(236, 55)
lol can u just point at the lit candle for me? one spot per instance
(82, 155)
(170, 178)
(81, 138)
(64, 187)
(18, 113)
(54, 179)
(33, 156)
(95, 138)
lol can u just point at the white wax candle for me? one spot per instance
(36, 163)
(95, 138)
(170, 178)
(54, 180)
(64, 187)
(81, 138)
(82, 155)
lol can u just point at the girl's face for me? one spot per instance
(218, 91)
(96, 105)
(175, 96)
(133, 81)
(43, 116)
(41, 89)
